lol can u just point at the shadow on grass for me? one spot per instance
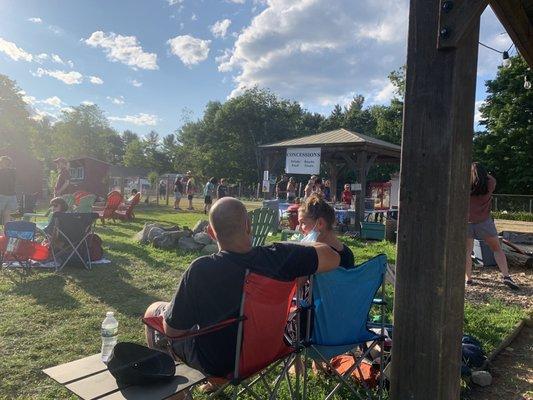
(107, 284)
(48, 291)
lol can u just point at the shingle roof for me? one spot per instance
(336, 137)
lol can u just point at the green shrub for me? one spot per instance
(513, 216)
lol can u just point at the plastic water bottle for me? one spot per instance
(109, 335)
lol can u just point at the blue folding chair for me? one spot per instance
(337, 323)
(15, 232)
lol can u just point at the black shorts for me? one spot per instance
(208, 200)
(190, 196)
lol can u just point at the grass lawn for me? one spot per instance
(55, 318)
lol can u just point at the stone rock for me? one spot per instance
(210, 249)
(203, 238)
(165, 241)
(142, 236)
(188, 244)
(481, 378)
(200, 226)
(154, 232)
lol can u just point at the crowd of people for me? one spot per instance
(186, 186)
(286, 189)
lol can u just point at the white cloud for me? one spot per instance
(492, 34)
(40, 58)
(26, 98)
(35, 20)
(136, 83)
(384, 91)
(52, 101)
(237, 1)
(220, 28)
(70, 78)
(139, 119)
(57, 59)
(70, 63)
(87, 103)
(96, 80)
(125, 49)
(67, 109)
(13, 51)
(116, 100)
(319, 51)
(190, 50)
(55, 29)
(194, 17)
(174, 2)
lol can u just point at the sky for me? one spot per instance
(155, 64)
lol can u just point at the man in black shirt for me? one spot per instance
(210, 289)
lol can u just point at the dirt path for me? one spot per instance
(516, 226)
(512, 372)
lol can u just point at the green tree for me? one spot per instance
(134, 155)
(84, 131)
(505, 147)
(16, 127)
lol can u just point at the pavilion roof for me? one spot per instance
(338, 137)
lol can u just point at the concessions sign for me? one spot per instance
(304, 161)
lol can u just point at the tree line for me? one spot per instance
(224, 141)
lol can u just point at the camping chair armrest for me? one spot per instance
(27, 216)
(379, 302)
(156, 323)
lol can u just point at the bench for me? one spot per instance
(89, 379)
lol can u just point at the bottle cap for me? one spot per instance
(109, 314)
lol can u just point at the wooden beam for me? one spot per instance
(436, 157)
(361, 175)
(456, 18)
(369, 163)
(514, 17)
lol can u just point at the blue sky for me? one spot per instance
(150, 64)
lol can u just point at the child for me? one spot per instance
(210, 190)
(347, 195)
(57, 204)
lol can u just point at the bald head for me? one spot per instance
(229, 219)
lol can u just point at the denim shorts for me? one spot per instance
(482, 230)
(8, 203)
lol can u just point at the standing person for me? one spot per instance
(162, 189)
(210, 191)
(319, 186)
(310, 187)
(63, 179)
(291, 190)
(481, 225)
(222, 189)
(281, 188)
(327, 190)
(190, 188)
(178, 192)
(347, 196)
(8, 197)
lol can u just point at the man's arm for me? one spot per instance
(170, 331)
(328, 259)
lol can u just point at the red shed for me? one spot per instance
(90, 175)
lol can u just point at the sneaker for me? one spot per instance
(507, 280)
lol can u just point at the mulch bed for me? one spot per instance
(489, 286)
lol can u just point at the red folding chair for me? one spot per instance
(112, 203)
(261, 344)
(18, 247)
(78, 195)
(127, 213)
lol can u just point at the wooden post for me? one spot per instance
(436, 156)
(266, 167)
(168, 190)
(361, 176)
